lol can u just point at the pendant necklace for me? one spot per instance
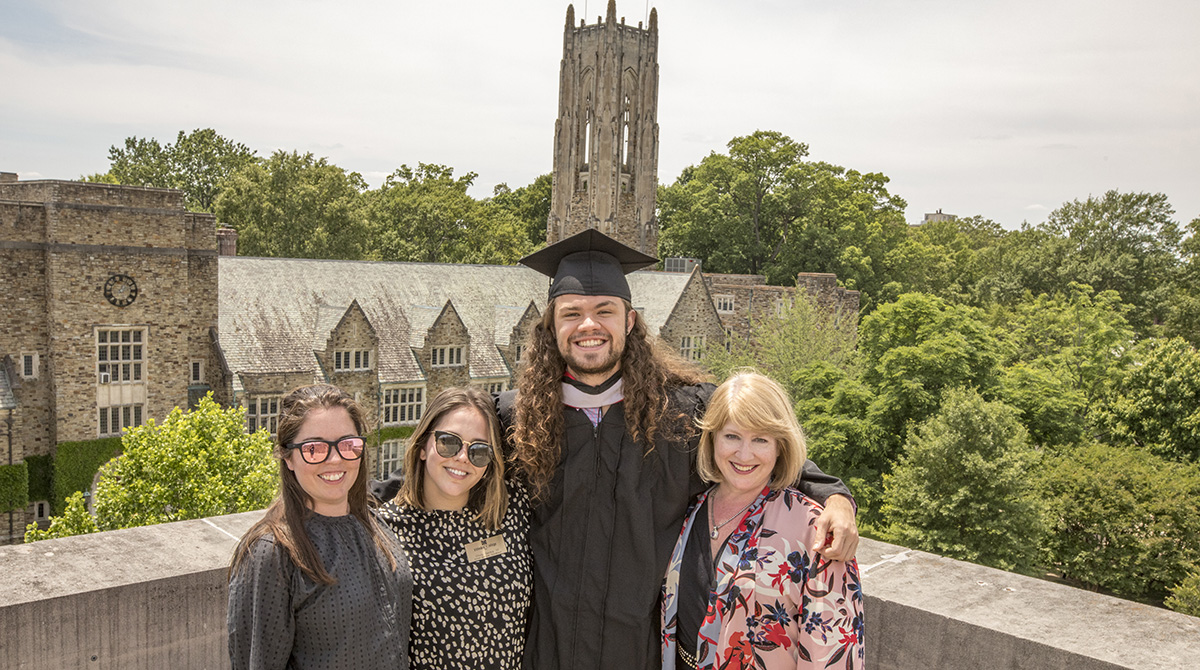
(716, 529)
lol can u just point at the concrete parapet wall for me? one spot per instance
(140, 598)
(154, 597)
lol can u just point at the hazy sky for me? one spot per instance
(1003, 109)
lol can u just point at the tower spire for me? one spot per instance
(606, 135)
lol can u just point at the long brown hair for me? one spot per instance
(648, 370)
(284, 519)
(489, 497)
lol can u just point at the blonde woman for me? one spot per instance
(744, 588)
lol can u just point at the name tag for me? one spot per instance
(486, 548)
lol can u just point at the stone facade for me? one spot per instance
(694, 324)
(606, 135)
(71, 255)
(743, 300)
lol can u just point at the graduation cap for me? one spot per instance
(588, 263)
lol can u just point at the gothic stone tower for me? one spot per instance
(606, 136)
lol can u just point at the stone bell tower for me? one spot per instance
(606, 135)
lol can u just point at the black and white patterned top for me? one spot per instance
(466, 614)
(279, 618)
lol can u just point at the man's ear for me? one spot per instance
(630, 317)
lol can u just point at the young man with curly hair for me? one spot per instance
(602, 425)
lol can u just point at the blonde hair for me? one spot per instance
(755, 403)
(489, 497)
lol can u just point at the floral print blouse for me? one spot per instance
(777, 604)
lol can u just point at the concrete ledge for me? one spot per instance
(140, 598)
(926, 611)
(154, 597)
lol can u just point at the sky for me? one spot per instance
(1003, 109)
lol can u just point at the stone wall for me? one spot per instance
(693, 316)
(354, 333)
(447, 330)
(155, 597)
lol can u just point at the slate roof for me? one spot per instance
(274, 312)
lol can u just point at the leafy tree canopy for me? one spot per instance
(762, 209)
(198, 163)
(295, 206)
(917, 348)
(530, 204)
(1158, 402)
(962, 488)
(425, 215)
(195, 464)
(1121, 519)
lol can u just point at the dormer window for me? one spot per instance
(353, 360)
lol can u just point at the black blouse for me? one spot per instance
(279, 618)
(466, 614)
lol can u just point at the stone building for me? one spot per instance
(606, 135)
(122, 305)
(109, 313)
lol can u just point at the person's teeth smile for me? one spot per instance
(743, 469)
(454, 472)
(333, 477)
(591, 342)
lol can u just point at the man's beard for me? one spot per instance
(607, 365)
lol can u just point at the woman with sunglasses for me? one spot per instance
(318, 582)
(465, 530)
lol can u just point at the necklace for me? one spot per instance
(716, 529)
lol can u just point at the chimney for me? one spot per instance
(226, 241)
(8, 177)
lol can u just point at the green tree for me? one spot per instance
(199, 164)
(1183, 316)
(962, 488)
(425, 215)
(295, 206)
(761, 209)
(1053, 411)
(781, 347)
(1158, 403)
(735, 211)
(1123, 242)
(1121, 519)
(195, 464)
(1080, 336)
(953, 259)
(1185, 597)
(75, 520)
(916, 349)
(530, 204)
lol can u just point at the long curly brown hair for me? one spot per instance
(648, 370)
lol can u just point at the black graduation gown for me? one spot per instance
(602, 539)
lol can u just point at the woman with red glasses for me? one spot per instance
(464, 527)
(318, 582)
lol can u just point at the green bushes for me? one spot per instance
(14, 487)
(1122, 519)
(41, 477)
(1185, 597)
(76, 464)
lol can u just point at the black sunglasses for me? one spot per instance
(350, 448)
(449, 444)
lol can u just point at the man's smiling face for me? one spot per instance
(590, 331)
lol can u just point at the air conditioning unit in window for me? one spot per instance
(104, 378)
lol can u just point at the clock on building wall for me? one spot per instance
(121, 290)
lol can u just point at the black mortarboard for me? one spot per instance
(589, 263)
